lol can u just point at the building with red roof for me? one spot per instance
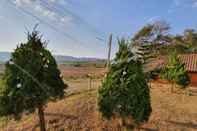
(190, 61)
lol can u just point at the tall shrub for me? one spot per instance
(31, 79)
(124, 91)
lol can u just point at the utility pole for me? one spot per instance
(90, 76)
(109, 51)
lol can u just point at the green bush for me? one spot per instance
(31, 79)
(175, 71)
(183, 80)
(124, 91)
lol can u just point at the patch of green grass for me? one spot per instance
(97, 64)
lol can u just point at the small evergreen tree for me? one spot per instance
(175, 72)
(124, 52)
(124, 91)
(31, 79)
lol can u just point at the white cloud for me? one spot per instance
(178, 4)
(23, 2)
(61, 2)
(66, 19)
(53, 1)
(45, 12)
(154, 18)
(194, 4)
(39, 8)
(185, 3)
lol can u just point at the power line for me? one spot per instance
(61, 9)
(48, 24)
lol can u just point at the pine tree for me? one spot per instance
(31, 79)
(124, 53)
(124, 91)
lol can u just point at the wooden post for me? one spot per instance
(109, 51)
(89, 88)
(90, 83)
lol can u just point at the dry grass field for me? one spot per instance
(79, 111)
(81, 72)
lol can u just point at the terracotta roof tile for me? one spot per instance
(190, 61)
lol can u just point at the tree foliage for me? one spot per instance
(124, 91)
(175, 71)
(148, 40)
(157, 35)
(31, 78)
(124, 52)
(153, 33)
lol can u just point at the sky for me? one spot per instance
(81, 28)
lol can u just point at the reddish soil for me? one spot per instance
(77, 72)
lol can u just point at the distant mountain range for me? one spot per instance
(5, 56)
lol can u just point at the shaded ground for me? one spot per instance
(79, 112)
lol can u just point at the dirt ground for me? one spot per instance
(79, 112)
(80, 72)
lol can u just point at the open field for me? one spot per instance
(81, 72)
(70, 71)
(97, 64)
(79, 111)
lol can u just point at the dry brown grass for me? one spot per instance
(80, 72)
(79, 112)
